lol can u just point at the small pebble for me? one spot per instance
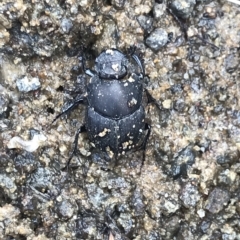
(66, 25)
(183, 8)
(28, 145)
(157, 39)
(26, 84)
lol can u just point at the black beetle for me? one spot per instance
(115, 116)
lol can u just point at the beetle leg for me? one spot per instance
(151, 99)
(80, 130)
(70, 92)
(139, 63)
(144, 142)
(137, 59)
(76, 102)
(88, 71)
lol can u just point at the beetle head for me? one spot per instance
(111, 64)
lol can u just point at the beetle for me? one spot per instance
(115, 115)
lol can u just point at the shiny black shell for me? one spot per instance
(115, 117)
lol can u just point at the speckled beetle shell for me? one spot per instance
(115, 117)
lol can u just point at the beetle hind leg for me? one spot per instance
(75, 143)
(143, 145)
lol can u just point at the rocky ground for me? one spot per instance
(188, 187)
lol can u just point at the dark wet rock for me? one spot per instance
(118, 217)
(41, 179)
(44, 48)
(66, 25)
(216, 234)
(96, 195)
(118, 4)
(216, 200)
(154, 235)
(238, 207)
(184, 232)
(145, 22)
(235, 114)
(158, 10)
(236, 168)
(222, 159)
(157, 39)
(25, 162)
(196, 85)
(5, 22)
(5, 124)
(126, 222)
(29, 203)
(21, 42)
(118, 185)
(33, 132)
(45, 22)
(86, 226)
(65, 209)
(228, 158)
(179, 66)
(230, 236)
(218, 109)
(204, 226)
(182, 161)
(172, 226)
(212, 33)
(138, 203)
(169, 205)
(8, 186)
(180, 106)
(176, 88)
(189, 195)
(227, 177)
(203, 144)
(194, 57)
(231, 63)
(5, 159)
(4, 103)
(26, 45)
(182, 8)
(164, 117)
(26, 84)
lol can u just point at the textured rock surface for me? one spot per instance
(188, 187)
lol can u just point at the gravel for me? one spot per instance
(157, 39)
(25, 84)
(188, 187)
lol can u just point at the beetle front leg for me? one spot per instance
(137, 59)
(86, 70)
(76, 102)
